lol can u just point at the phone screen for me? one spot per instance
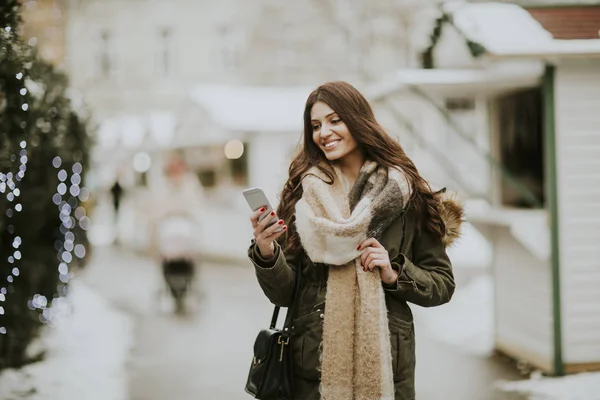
(256, 199)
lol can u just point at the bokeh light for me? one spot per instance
(142, 162)
(234, 149)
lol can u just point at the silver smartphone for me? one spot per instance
(256, 198)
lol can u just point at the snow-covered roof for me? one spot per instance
(250, 108)
(508, 30)
(555, 48)
(498, 26)
(450, 80)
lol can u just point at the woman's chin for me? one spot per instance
(333, 155)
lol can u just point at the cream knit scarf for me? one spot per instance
(332, 220)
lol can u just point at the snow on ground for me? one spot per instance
(584, 386)
(86, 353)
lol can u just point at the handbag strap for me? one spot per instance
(291, 308)
(274, 318)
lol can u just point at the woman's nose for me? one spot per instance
(325, 131)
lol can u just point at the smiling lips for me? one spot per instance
(330, 144)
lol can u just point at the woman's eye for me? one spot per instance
(315, 127)
(336, 121)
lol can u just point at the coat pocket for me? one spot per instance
(307, 334)
(402, 340)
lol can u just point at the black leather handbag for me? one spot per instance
(271, 374)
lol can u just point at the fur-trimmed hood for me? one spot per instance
(452, 213)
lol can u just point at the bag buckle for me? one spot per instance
(283, 343)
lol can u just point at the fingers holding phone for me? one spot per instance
(267, 228)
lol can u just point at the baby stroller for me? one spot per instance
(176, 247)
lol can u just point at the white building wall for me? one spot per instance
(234, 42)
(137, 82)
(577, 94)
(269, 158)
(523, 301)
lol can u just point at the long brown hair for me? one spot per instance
(354, 110)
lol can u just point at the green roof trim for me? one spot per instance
(552, 196)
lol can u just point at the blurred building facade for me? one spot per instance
(161, 76)
(136, 62)
(139, 67)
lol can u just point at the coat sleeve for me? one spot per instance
(426, 280)
(276, 276)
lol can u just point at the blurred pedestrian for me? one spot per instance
(367, 235)
(180, 192)
(177, 214)
(116, 191)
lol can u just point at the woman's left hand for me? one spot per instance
(376, 256)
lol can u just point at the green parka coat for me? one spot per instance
(426, 280)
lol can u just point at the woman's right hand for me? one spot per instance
(265, 235)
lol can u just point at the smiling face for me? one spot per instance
(330, 133)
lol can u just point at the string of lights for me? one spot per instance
(9, 183)
(68, 195)
(70, 214)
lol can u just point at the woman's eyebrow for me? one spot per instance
(327, 116)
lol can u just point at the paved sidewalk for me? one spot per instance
(206, 354)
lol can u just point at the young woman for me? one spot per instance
(368, 235)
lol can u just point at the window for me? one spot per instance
(460, 104)
(229, 52)
(521, 145)
(106, 64)
(288, 43)
(165, 56)
(462, 112)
